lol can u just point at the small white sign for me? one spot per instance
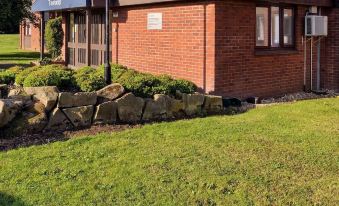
(154, 21)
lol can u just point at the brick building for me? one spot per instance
(227, 47)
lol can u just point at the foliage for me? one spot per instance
(12, 12)
(46, 61)
(54, 37)
(146, 85)
(51, 75)
(279, 155)
(20, 78)
(8, 76)
(89, 79)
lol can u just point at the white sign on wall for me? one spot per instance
(154, 21)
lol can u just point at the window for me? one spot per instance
(274, 27)
(28, 29)
(262, 29)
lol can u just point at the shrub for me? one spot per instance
(51, 75)
(42, 78)
(46, 61)
(8, 76)
(54, 37)
(20, 78)
(89, 79)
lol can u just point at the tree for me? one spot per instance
(12, 12)
(54, 36)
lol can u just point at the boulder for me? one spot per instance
(67, 99)
(156, 109)
(16, 91)
(130, 108)
(37, 123)
(46, 95)
(3, 90)
(80, 116)
(111, 92)
(213, 104)
(193, 103)
(25, 100)
(36, 107)
(8, 110)
(58, 121)
(176, 108)
(106, 113)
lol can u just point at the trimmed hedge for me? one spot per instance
(89, 79)
(51, 75)
(145, 85)
(8, 76)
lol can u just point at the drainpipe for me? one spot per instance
(311, 70)
(305, 61)
(108, 71)
(42, 35)
(318, 59)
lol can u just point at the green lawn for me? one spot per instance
(279, 155)
(10, 54)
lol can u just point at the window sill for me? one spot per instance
(259, 52)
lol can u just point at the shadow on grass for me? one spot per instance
(6, 66)
(10, 200)
(20, 55)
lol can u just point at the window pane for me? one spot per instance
(275, 27)
(71, 28)
(288, 26)
(262, 26)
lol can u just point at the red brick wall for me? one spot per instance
(35, 37)
(330, 74)
(239, 71)
(184, 48)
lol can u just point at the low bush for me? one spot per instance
(51, 75)
(8, 76)
(20, 78)
(88, 79)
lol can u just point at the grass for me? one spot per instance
(280, 155)
(10, 54)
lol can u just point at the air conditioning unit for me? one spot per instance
(316, 25)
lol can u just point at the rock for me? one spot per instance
(213, 104)
(25, 100)
(46, 95)
(16, 91)
(36, 107)
(37, 123)
(3, 90)
(130, 108)
(156, 109)
(106, 113)
(8, 110)
(67, 99)
(80, 116)
(58, 121)
(193, 103)
(176, 108)
(111, 92)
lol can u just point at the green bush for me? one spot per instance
(54, 37)
(20, 78)
(89, 79)
(8, 76)
(51, 75)
(42, 78)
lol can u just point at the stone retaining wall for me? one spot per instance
(45, 108)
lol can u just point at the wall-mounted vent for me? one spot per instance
(316, 25)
